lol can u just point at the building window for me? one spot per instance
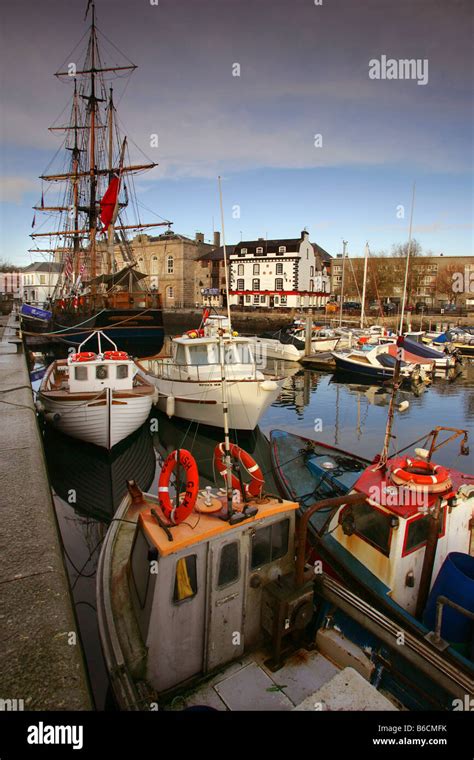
(243, 251)
(263, 299)
(279, 269)
(256, 268)
(311, 271)
(279, 283)
(256, 299)
(170, 292)
(240, 269)
(259, 249)
(154, 265)
(256, 284)
(240, 284)
(247, 299)
(311, 285)
(42, 279)
(276, 300)
(281, 249)
(170, 265)
(283, 300)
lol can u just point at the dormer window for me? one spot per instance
(259, 249)
(243, 251)
(282, 249)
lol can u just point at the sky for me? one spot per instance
(304, 71)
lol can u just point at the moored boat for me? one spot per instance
(189, 381)
(97, 397)
(379, 364)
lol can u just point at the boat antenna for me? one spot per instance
(383, 457)
(407, 261)
(225, 256)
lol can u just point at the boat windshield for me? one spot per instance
(208, 353)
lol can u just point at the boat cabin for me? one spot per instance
(99, 372)
(383, 539)
(210, 594)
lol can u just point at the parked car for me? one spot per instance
(351, 306)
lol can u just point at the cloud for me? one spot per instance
(13, 189)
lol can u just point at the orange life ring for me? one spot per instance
(177, 514)
(362, 340)
(434, 477)
(115, 356)
(254, 488)
(84, 356)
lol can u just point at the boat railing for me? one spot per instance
(136, 299)
(166, 369)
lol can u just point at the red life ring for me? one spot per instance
(254, 488)
(84, 356)
(187, 461)
(432, 476)
(115, 356)
(362, 340)
(195, 333)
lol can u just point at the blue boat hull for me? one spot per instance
(363, 370)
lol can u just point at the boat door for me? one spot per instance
(225, 635)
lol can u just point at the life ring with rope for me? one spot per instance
(418, 473)
(186, 460)
(195, 333)
(115, 356)
(254, 488)
(84, 356)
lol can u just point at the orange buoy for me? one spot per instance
(115, 355)
(422, 474)
(84, 356)
(254, 488)
(186, 460)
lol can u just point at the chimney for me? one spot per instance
(304, 234)
(217, 239)
(261, 240)
(199, 238)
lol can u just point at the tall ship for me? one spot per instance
(88, 210)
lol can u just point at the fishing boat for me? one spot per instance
(379, 364)
(99, 286)
(308, 470)
(189, 381)
(99, 397)
(397, 538)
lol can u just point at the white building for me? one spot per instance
(290, 273)
(38, 281)
(10, 284)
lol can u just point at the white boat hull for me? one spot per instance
(103, 422)
(202, 401)
(272, 348)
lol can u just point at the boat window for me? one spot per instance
(122, 371)
(140, 565)
(80, 373)
(180, 357)
(373, 526)
(101, 372)
(198, 354)
(185, 582)
(243, 353)
(228, 564)
(417, 533)
(270, 543)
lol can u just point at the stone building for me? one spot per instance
(170, 261)
(209, 275)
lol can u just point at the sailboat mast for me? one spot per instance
(110, 229)
(344, 244)
(402, 313)
(225, 256)
(92, 167)
(75, 169)
(364, 286)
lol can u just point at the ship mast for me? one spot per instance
(75, 169)
(110, 230)
(92, 168)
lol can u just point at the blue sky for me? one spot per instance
(304, 71)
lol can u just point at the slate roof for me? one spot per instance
(43, 266)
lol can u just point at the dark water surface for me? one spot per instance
(89, 484)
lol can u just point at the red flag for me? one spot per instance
(108, 202)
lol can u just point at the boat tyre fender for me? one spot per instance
(177, 514)
(432, 477)
(255, 487)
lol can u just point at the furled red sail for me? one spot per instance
(108, 202)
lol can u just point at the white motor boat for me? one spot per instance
(190, 380)
(100, 398)
(289, 344)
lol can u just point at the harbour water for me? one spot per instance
(89, 484)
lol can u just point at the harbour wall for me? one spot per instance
(41, 659)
